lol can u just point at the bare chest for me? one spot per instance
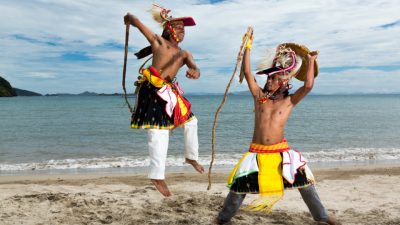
(168, 60)
(272, 112)
(168, 54)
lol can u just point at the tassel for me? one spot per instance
(160, 14)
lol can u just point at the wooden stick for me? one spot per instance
(124, 68)
(239, 59)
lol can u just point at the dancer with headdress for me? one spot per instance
(160, 104)
(270, 165)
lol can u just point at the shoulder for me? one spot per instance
(158, 39)
(186, 53)
(259, 94)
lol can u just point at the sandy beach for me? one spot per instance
(355, 195)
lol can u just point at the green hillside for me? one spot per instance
(5, 88)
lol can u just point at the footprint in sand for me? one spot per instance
(142, 191)
(5, 215)
(42, 197)
(150, 188)
(107, 220)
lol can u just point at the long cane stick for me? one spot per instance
(239, 59)
(124, 69)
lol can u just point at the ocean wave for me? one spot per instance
(112, 162)
(353, 154)
(330, 155)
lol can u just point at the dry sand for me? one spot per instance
(357, 195)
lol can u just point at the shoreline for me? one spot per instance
(218, 174)
(185, 168)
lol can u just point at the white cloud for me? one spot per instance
(358, 81)
(44, 75)
(36, 34)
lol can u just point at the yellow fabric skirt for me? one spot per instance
(267, 170)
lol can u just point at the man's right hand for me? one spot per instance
(249, 43)
(128, 19)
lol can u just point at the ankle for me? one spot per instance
(187, 160)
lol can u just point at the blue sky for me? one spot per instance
(74, 46)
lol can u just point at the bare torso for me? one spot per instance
(270, 119)
(271, 116)
(167, 58)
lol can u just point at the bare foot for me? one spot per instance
(161, 187)
(332, 221)
(199, 168)
(216, 221)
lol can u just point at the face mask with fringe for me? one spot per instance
(283, 62)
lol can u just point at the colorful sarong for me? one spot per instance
(268, 170)
(159, 104)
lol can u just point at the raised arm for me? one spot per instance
(251, 81)
(134, 21)
(308, 83)
(193, 72)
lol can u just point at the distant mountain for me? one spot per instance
(21, 92)
(87, 93)
(6, 89)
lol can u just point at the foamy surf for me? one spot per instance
(348, 155)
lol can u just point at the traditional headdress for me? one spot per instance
(160, 15)
(288, 60)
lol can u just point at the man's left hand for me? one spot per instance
(193, 74)
(312, 56)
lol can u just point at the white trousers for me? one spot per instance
(158, 147)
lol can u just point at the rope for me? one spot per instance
(124, 69)
(238, 60)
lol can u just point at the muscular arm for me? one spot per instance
(308, 83)
(251, 81)
(134, 21)
(193, 72)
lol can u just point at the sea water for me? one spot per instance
(92, 133)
